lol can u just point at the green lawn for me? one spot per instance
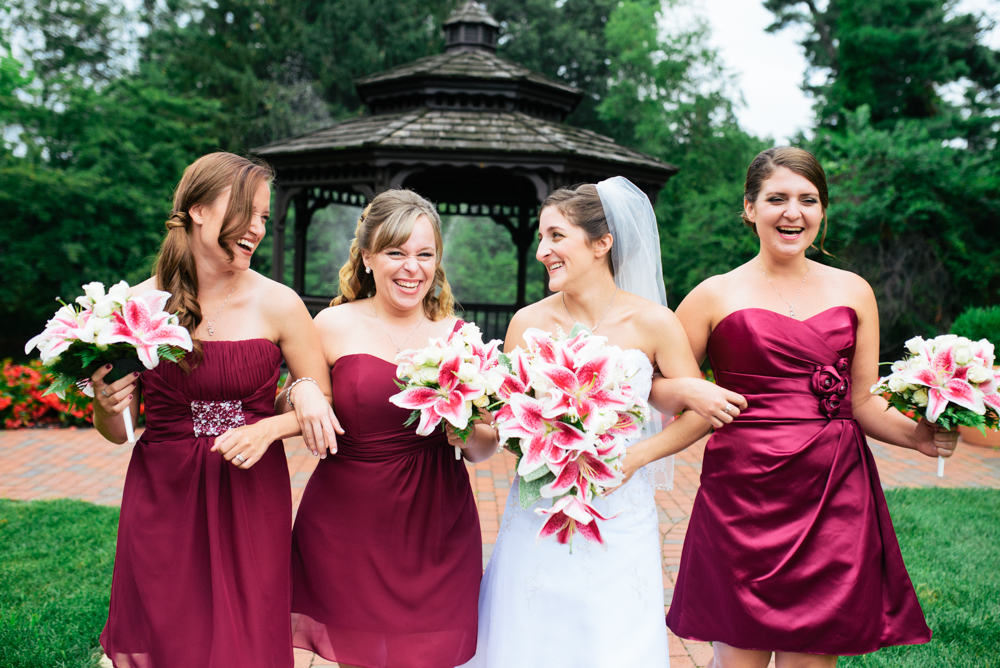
(56, 559)
(951, 544)
(55, 575)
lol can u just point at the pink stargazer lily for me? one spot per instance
(585, 389)
(582, 473)
(447, 401)
(143, 324)
(945, 381)
(61, 331)
(567, 516)
(543, 441)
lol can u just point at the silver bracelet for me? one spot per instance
(288, 392)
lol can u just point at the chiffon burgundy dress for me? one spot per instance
(387, 549)
(201, 574)
(790, 546)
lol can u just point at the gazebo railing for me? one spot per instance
(492, 319)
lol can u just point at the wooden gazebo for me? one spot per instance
(477, 134)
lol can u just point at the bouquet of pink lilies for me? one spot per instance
(132, 333)
(950, 380)
(451, 380)
(568, 409)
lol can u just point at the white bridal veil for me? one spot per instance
(636, 258)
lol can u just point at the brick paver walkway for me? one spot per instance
(78, 463)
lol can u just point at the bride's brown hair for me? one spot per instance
(385, 223)
(203, 182)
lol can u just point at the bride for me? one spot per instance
(542, 605)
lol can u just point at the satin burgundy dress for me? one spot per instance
(387, 549)
(790, 546)
(201, 573)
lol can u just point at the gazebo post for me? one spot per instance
(303, 216)
(523, 241)
(282, 198)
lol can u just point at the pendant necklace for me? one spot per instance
(791, 306)
(399, 348)
(211, 332)
(594, 328)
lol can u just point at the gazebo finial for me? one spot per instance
(470, 28)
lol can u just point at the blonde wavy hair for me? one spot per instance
(387, 222)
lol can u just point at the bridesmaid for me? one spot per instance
(387, 554)
(202, 563)
(790, 547)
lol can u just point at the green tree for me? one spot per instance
(916, 218)
(671, 97)
(894, 56)
(86, 169)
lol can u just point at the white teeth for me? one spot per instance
(245, 244)
(555, 266)
(408, 286)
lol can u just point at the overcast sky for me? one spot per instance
(770, 67)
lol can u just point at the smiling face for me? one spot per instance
(787, 212)
(404, 273)
(208, 240)
(566, 251)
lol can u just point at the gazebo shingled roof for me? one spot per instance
(467, 129)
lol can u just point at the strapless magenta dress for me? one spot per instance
(201, 573)
(790, 546)
(387, 550)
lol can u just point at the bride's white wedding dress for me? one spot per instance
(542, 606)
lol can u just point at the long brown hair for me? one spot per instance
(385, 223)
(203, 182)
(581, 205)
(796, 160)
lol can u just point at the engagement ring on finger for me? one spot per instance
(104, 391)
(729, 408)
(240, 459)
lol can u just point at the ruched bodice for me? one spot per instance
(790, 546)
(373, 427)
(787, 369)
(246, 372)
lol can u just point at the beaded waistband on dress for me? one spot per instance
(212, 418)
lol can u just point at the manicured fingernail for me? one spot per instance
(108, 367)
(130, 396)
(135, 373)
(323, 456)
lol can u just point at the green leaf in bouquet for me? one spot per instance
(530, 490)
(170, 353)
(537, 473)
(505, 361)
(414, 416)
(514, 446)
(577, 328)
(462, 433)
(60, 386)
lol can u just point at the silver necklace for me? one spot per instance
(211, 332)
(594, 328)
(791, 306)
(399, 347)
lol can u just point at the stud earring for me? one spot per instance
(368, 269)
